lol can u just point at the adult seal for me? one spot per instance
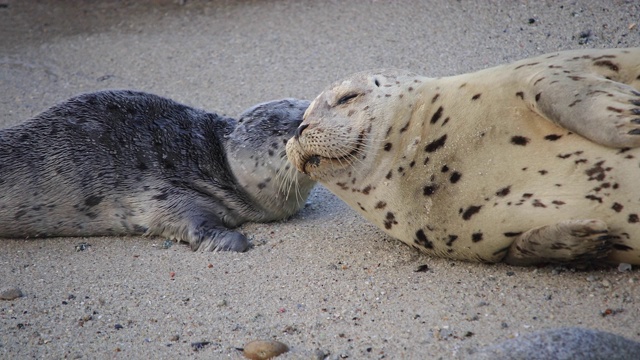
(125, 162)
(532, 162)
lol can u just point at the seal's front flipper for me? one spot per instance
(202, 230)
(595, 96)
(570, 241)
(205, 238)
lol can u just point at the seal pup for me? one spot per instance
(532, 162)
(126, 162)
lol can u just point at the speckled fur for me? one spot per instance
(125, 162)
(531, 162)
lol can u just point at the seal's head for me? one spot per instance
(346, 126)
(256, 154)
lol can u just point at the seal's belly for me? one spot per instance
(471, 200)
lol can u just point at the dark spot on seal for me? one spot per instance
(162, 196)
(389, 175)
(594, 198)
(422, 239)
(504, 191)
(520, 94)
(608, 64)
(512, 234)
(633, 218)
(433, 100)
(475, 237)
(455, 176)
(597, 172)
(577, 101)
(552, 137)
(470, 211)
(476, 97)
(437, 115)
(19, 214)
(519, 140)
(429, 190)
(452, 238)
(621, 247)
(436, 144)
(387, 146)
(93, 200)
(140, 228)
(543, 172)
(381, 205)
(617, 207)
(390, 220)
(405, 127)
(366, 190)
(444, 169)
(538, 203)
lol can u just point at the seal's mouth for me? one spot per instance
(312, 162)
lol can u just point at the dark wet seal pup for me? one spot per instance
(126, 162)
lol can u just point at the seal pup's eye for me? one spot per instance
(347, 98)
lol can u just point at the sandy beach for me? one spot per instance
(325, 279)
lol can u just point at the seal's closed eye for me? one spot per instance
(347, 98)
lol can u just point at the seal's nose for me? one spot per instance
(300, 129)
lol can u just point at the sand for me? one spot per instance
(326, 279)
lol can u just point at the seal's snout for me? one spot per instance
(300, 129)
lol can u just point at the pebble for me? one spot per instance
(10, 293)
(624, 267)
(166, 244)
(264, 349)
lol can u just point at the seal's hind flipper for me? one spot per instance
(570, 241)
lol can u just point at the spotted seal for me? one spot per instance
(532, 162)
(126, 162)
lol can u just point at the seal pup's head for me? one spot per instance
(256, 154)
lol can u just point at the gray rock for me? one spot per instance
(563, 344)
(10, 293)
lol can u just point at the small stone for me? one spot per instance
(10, 293)
(606, 283)
(82, 246)
(264, 349)
(197, 346)
(166, 244)
(118, 326)
(174, 338)
(624, 267)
